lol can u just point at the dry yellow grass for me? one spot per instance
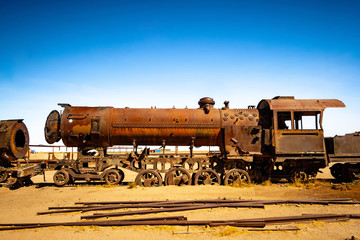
(266, 183)
(132, 185)
(308, 184)
(109, 186)
(229, 231)
(318, 223)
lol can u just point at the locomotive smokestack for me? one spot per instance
(206, 101)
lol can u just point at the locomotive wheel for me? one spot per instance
(206, 177)
(300, 176)
(14, 183)
(236, 177)
(112, 177)
(177, 176)
(347, 173)
(61, 178)
(71, 180)
(336, 171)
(122, 175)
(148, 178)
(3, 176)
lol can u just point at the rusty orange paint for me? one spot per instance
(81, 129)
(14, 139)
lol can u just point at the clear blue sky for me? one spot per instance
(165, 53)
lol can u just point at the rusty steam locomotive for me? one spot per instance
(280, 138)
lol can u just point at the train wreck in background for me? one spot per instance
(14, 145)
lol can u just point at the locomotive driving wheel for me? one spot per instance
(177, 176)
(61, 178)
(336, 170)
(113, 176)
(148, 178)
(206, 177)
(348, 173)
(236, 177)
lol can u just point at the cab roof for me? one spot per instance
(290, 104)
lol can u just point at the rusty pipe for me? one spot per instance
(175, 209)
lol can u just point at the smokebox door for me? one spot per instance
(52, 127)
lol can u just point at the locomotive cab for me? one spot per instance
(295, 131)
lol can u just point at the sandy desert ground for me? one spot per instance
(21, 205)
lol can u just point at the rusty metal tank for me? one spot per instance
(14, 139)
(108, 126)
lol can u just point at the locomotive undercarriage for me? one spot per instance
(14, 176)
(153, 169)
(295, 168)
(182, 169)
(347, 172)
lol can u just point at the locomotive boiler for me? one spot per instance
(108, 126)
(280, 138)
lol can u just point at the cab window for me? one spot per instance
(307, 120)
(284, 120)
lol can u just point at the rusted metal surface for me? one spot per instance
(289, 219)
(290, 103)
(20, 176)
(14, 139)
(236, 177)
(107, 126)
(295, 136)
(291, 138)
(339, 200)
(52, 127)
(287, 116)
(206, 177)
(178, 218)
(125, 206)
(347, 145)
(14, 145)
(299, 142)
(132, 223)
(281, 138)
(148, 178)
(182, 221)
(177, 176)
(112, 207)
(123, 222)
(345, 152)
(101, 206)
(277, 229)
(175, 209)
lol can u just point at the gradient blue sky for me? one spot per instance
(165, 53)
